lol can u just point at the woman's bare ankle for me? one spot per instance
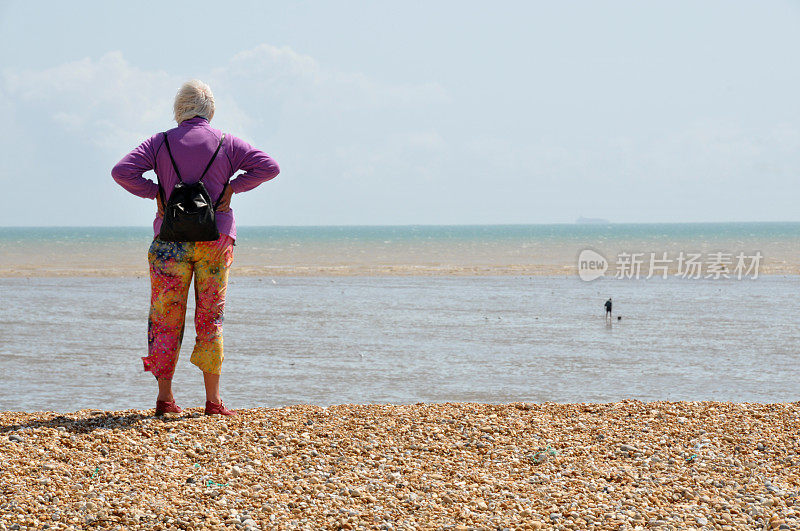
(165, 390)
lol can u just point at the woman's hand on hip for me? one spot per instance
(225, 201)
(160, 204)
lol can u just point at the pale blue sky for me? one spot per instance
(415, 112)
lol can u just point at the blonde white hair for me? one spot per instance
(194, 99)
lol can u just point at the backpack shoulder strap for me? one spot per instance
(214, 156)
(174, 166)
(155, 169)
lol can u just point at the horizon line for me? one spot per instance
(573, 223)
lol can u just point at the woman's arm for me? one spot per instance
(128, 172)
(258, 166)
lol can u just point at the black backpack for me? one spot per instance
(189, 213)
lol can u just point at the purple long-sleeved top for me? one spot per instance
(193, 143)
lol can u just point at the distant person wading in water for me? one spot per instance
(190, 153)
(608, 309)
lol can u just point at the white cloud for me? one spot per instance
(115, 104)
(107, 100)
(293, 78)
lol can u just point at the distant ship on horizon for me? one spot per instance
(592, 220)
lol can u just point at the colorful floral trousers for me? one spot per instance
(172, 265)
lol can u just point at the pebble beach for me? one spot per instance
(623, 465)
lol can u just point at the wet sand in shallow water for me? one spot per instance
(405, 250)
(454, 465)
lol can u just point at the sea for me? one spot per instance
(406, 314)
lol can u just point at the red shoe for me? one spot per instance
(218, 409)
(166, 407)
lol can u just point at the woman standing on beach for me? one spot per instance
(182, 155)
